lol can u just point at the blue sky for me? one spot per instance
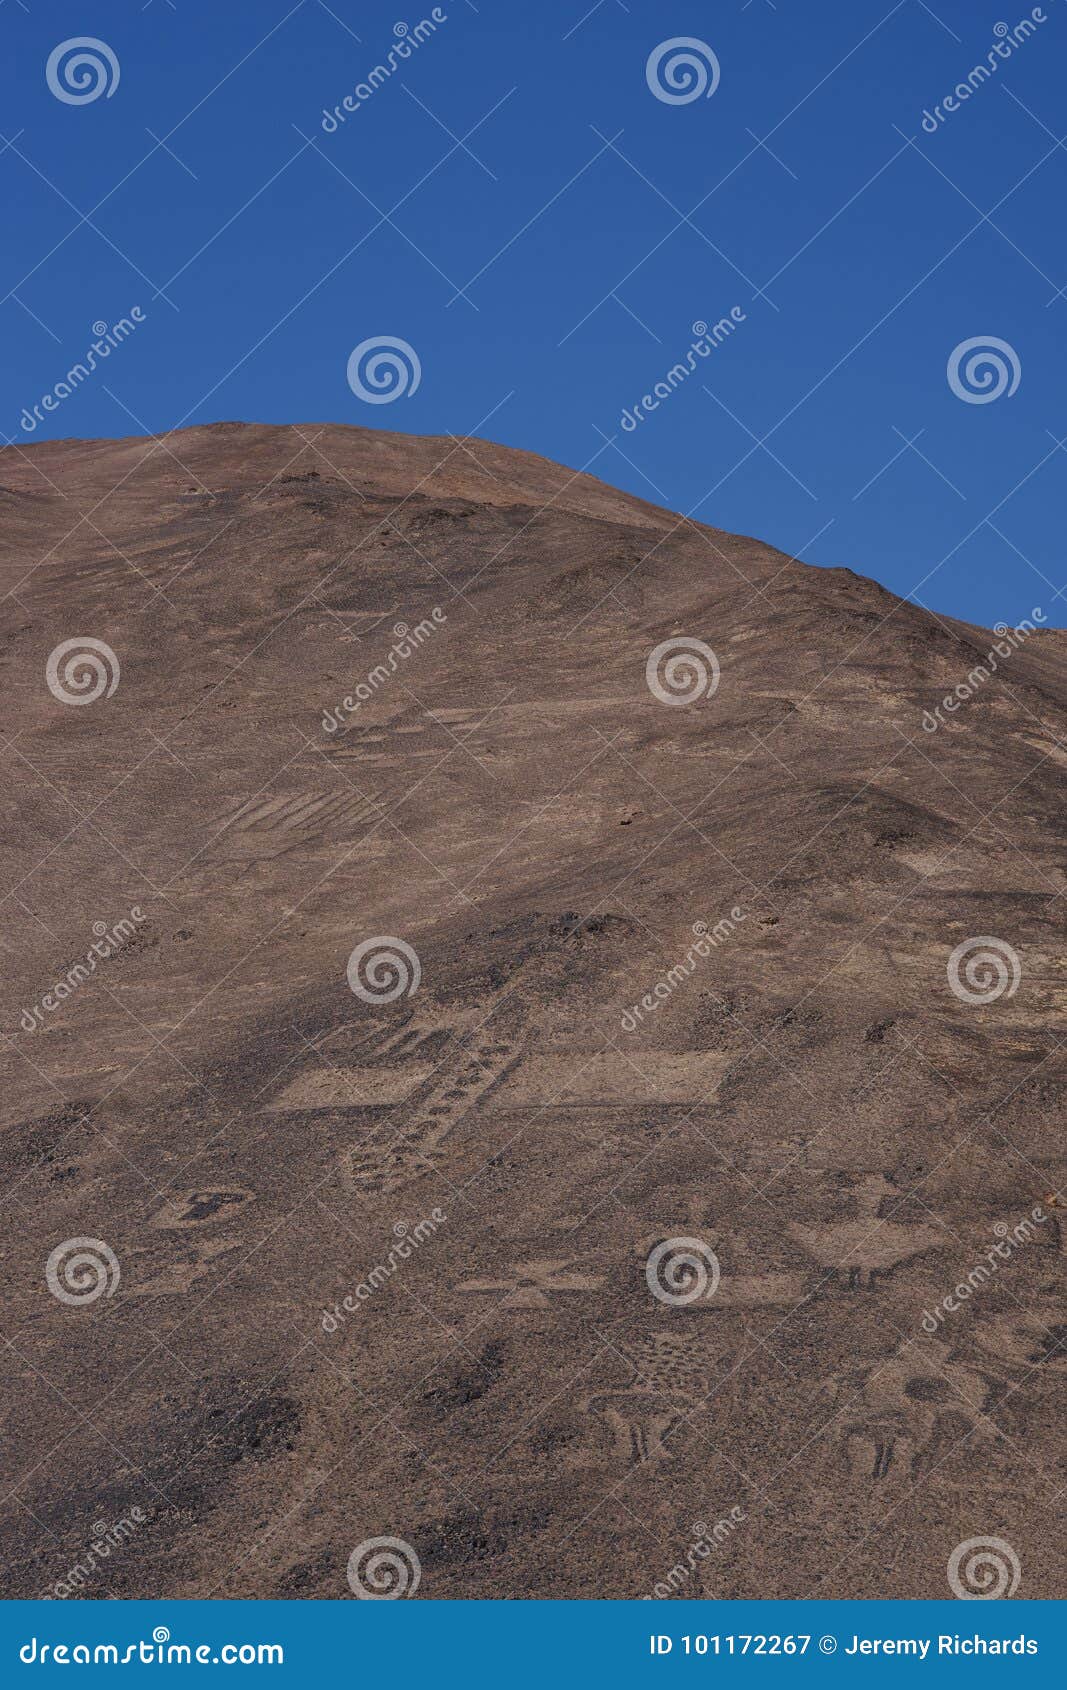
(517, 204)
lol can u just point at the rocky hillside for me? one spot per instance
(530, 1028)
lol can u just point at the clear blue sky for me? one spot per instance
(518, 205)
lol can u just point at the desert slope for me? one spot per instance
(581, 1076)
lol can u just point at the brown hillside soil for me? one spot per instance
(803, 1092)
